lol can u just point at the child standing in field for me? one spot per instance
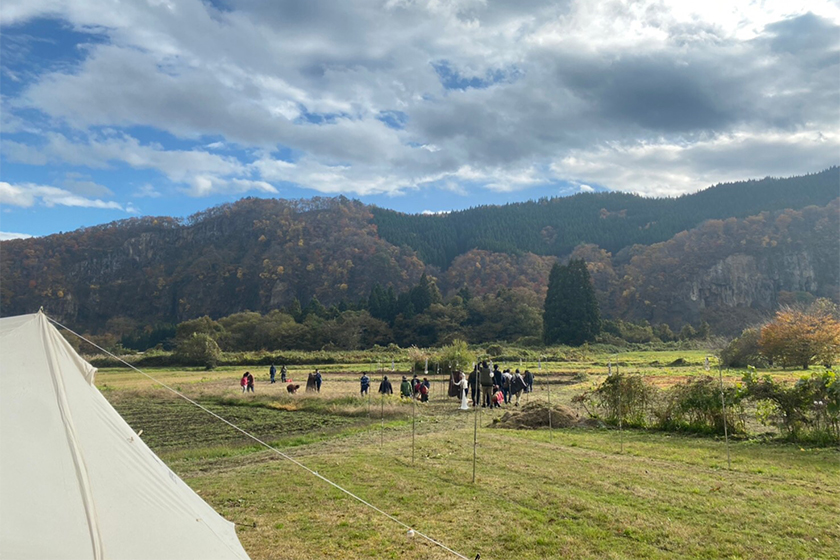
(244, 381)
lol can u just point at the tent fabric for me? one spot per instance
(76, 481)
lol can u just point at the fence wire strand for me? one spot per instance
(267, 446)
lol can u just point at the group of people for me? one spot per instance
(247, 382)
(492, 387)
(409, 389)
(313, 382)
(272, 372)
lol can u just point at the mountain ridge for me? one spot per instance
(262, 254)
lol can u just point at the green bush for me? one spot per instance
(807, 411)
(622, 397)
(696, 406)
(198, 349)
(458, 354)
(744, 351)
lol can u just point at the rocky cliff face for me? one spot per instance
(732, 273)
(736, 281)
(253, 255)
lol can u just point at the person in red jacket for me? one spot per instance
(424, 392)
(244, 381)
(498, 397)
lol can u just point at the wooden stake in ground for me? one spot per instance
(413, 421)
(382, 421)
(550, 426)
(620, 415)
(723, 404)
(475, 438)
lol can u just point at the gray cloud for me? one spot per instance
(587, 87)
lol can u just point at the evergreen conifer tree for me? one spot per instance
(571, 311)
(295, 310)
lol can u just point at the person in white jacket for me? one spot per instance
(462, 384)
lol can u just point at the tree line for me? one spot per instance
(611, 220)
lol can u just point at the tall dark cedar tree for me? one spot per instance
(571, 310)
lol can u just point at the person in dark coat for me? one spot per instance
(317, 380)
(385, 387)
(272, 371)
(497, 376)
(472, 381)
(283, 374)
(529, 381)
(365, 384)
(485, 379)
(454, 388)
(517, 386)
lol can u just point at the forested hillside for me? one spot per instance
(728, 255)
(252, 255)
(611, 220)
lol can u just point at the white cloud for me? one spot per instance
(205, 185)
(7, 235)
(585, 188)
(147, 191)
(81, 184)
(662, 169)
(26, 195)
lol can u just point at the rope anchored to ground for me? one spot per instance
(411, 531)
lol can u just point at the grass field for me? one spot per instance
(570, 493)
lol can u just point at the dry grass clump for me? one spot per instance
(534, 415)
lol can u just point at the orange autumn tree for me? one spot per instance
(803, 337)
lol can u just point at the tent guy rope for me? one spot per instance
(411, 530)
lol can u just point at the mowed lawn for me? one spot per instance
(571, 493)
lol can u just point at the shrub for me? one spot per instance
(696, 406)
(457, 354)
(797, 338)
(744, 351)
(808, 410)
(621, 396)
(199, 349)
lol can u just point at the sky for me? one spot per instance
(113, 109)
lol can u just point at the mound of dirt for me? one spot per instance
(678, 362)
(535, 415)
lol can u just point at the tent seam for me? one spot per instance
(75, 452)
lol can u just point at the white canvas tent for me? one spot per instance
(76, 482)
